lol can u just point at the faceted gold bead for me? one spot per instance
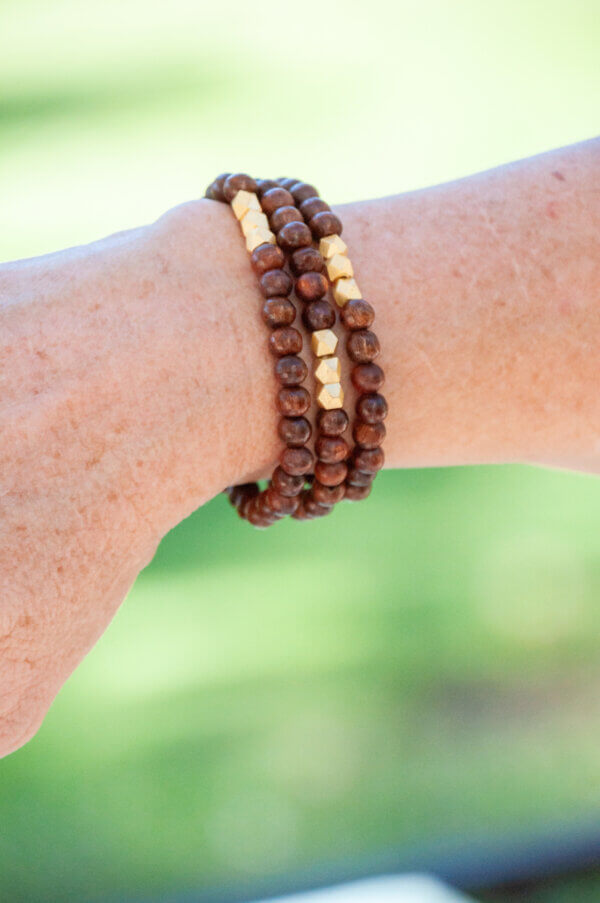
(339, 265)
(332, 245)
(259, 236)
(344, 290)
(323, 341)
(252, 220)
(330, 396)
(244, 201)
(329, 370)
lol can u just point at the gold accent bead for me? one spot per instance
(344, 290)
(252, 220)
(244, 201)
(259, 236)
(330, 396)
(332, 245)
(339, 265)
(329, 370)
(323, 341)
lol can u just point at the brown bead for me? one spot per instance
(237, 494)
(237, 182)
(285, 340)
(332, 423)
(311, 206)
(291, 370)
(216, 187)
(325, 223)
(328, 495)
(358, 478)
(295, 431)
(301, 513)
(267, 257)
(357, 493)
(263, 185)
(318, 315)
(278, 312)
(362, 346)
(311, 286)
(294, 235)
(287, 183)
(372, 408)
(274, 198)
(242, 508)
(257, 518)
(276, 282)
(296, 461)
(330, 474)
(331, 450)
(312, 506)
(284, 215)
(293, 401)
(367, 377)
(286, 483)
(368, 460)
(302, 190)
(281, 504)
(306, 260)
(357, 314)
(368, 435)
(263, 507)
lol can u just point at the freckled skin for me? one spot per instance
(135, 383)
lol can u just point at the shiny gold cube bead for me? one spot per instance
(244, 201)
(323, 341)
(252, 220)
(339, 266)
(332, 245)
(344, 290)
(329, 370)
(330, 396)
(259, 236)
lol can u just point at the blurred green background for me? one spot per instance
(421, 666)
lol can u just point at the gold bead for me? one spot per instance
(329, 370)
(244, 201)
(259, 236)
(330, 396)
(252, 220)
(339, 265)
(344, 290)
(323, 341)
(332, 245)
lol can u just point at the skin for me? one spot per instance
(135, 383)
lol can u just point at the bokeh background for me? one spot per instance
(428, 668)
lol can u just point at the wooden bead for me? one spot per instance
(301, 191)
(312, 506)
(312, 206)
(284, 215)
(306, 260)
(263, 185)
(264, 508)
(327, 495)
(318, 315)
(293, 401)
(372, 408)
(285, 340)
(286, 483)
(237, 494)
(356, 477)
(325, 223)
(357, 493)
(278, 312)
(274, 198)
(296, 461)
(281, 504)
(215, 189)
(239, 181)
(367, 377)
(291, 370)
(267, 257)
(362, 346)
(294, 431)
(294, 235)
(368, 460)
(276, 282)
(332, 423)
(357, 314)
(331, 449)
(257, 518)
(287, 183)
(311, 286)
(330, 474)
(368, 435)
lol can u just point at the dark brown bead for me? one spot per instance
(357, 493)
(291, 370)
(239, 181)
(368, 435)
(294, 235)
(332, 423)
(278, 312)
(287, 183)
(263, 507)
(357, 314)
(276, 282)
(318, 315)
(328, 495)
(372, 408)
(362, 346)
(281, 504)
(263, 185)
(301, 513)
(274, 198)
(331, 450)
(296, 461)
(367, 377)
(302, 190)
(293, 401)
(237, 494)
(257, 518)
(317, 510)
(295, 431)
(242, 508)
(368, 460)
(325, 223)
(285, 340)
(284, 215)
(215, 189)
(285, 483)
(267, 257)
(306, 260)
(358, 478)
(311, 286)
(331, 474)
(311, 206)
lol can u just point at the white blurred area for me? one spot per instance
(386, 889)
